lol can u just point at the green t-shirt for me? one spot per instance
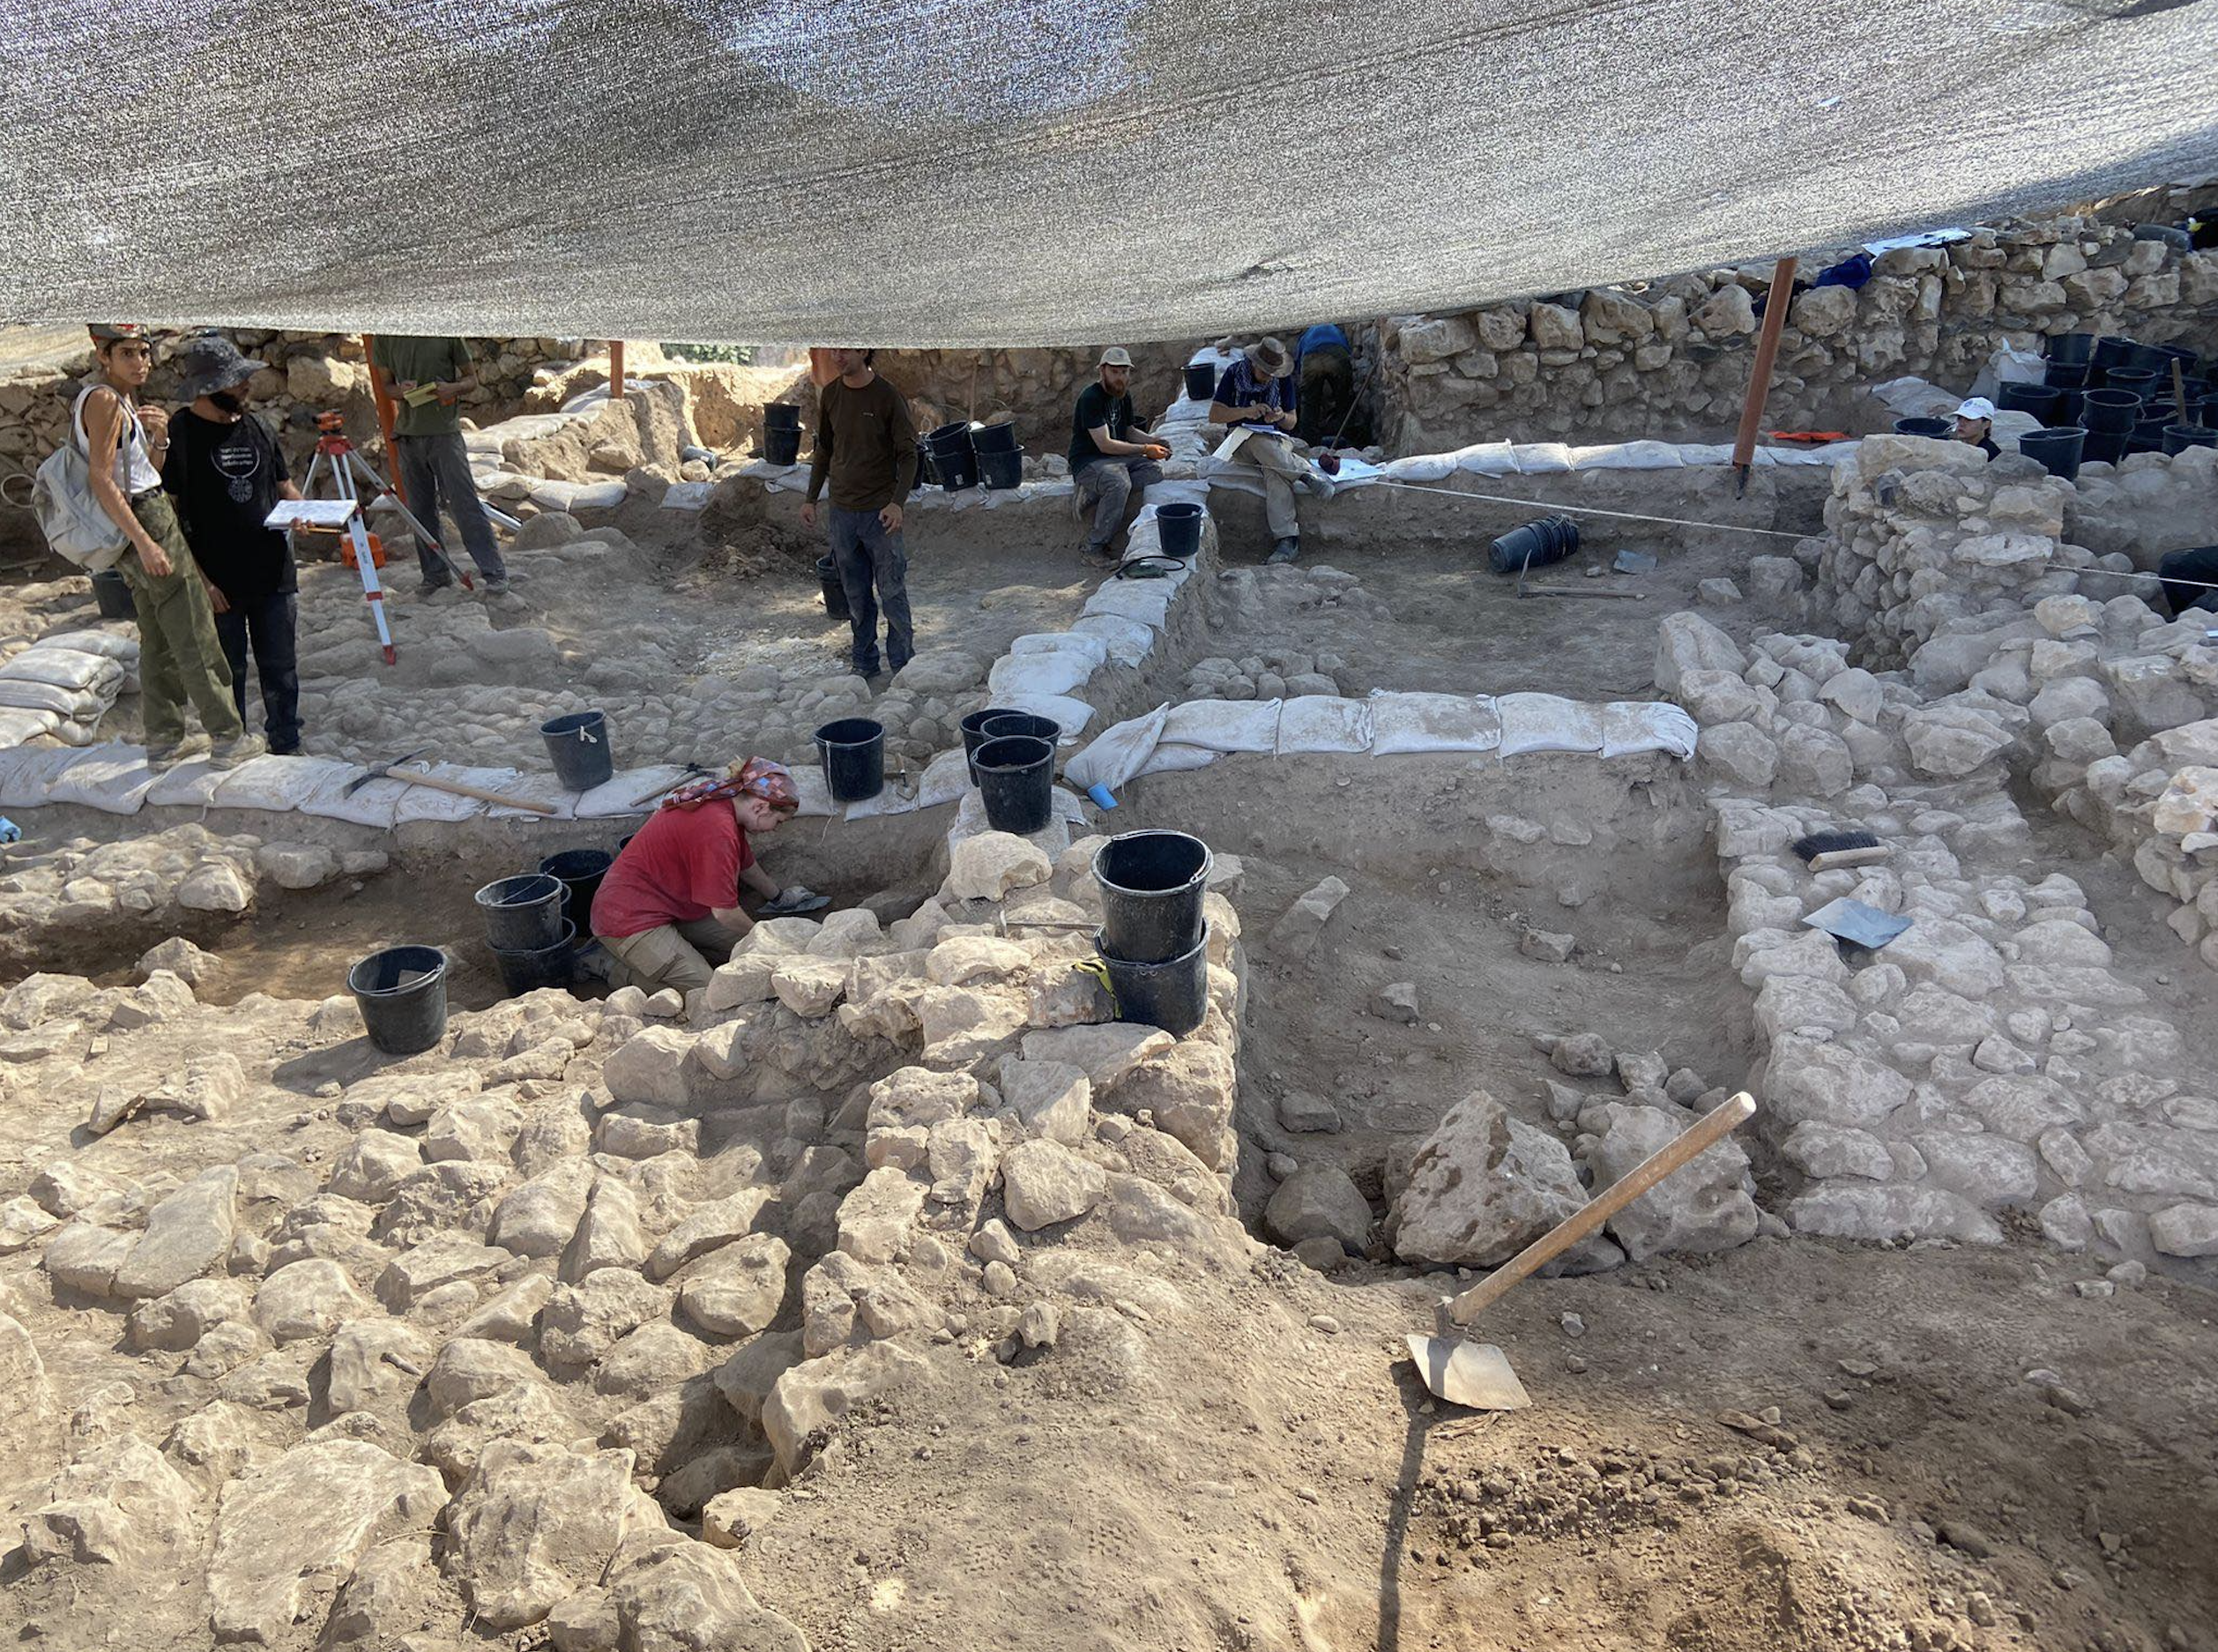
(404, 360)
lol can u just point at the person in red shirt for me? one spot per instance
(669, 911)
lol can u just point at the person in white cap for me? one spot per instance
(1113, 457)
(1258, 389)
(1975, 424)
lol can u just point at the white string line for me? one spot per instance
(1720, 527)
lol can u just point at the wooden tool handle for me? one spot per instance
(645, 798)
(1705, 1134)
(414, 777)
(2179, 393)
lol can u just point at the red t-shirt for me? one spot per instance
(684, 864)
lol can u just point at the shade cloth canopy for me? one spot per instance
(1014, 172)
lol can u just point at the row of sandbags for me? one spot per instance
(63, 685)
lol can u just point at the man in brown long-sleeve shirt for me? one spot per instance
(867, 448)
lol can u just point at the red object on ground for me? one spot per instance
(1813, 436)
(684, 864)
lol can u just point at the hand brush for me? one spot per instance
(1827, 852)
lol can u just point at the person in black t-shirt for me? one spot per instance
(227, 475)
(1111, 468)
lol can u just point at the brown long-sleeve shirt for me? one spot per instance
(866, 446)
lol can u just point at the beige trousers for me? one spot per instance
(1283, 470)
(682, 956)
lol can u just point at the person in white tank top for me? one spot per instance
(181, 658)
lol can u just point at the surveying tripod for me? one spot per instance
(333, 449)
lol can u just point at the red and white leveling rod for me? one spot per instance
(333, 448)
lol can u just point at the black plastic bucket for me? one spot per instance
(974, 734)
(1001, 472)
(1939, 429)
(2113, 352)
(579, 872)
(402, 993)
(834, 594)
(1000, 437)
(522, 912)
(2109, 409)
(854, 752)
(781, 447)
(1181, 527)
(113, 592)
(955, 469)
(1016, 780)
(781, 415)
(1536, 545)
(578, 746)
(1174, 994)
(1201, 381)
(2075, 349)
(1151, 888)
(1024, 724)
(2179, 438)
(2147, 435)
(527, 969)
(2141, 380)
(2040, 400)
(2058, 450)
(2065, 375)
(927, 472)
(2069, 403)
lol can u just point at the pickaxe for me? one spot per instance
(416, 777)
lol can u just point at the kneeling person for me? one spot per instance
(669, 911)
(1112, 459)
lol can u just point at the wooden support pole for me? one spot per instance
(615, 370)
(382, 399)
(1751, 411)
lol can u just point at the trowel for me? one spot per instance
(1477, 1374)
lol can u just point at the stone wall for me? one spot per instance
(1039, 387)
(1671, 358)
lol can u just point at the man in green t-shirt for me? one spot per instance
(427, 377)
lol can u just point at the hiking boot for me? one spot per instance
(497, 587)
(229, 753)
(170, 755)
(428, 586)
(1284, 551)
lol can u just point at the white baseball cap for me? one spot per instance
(1978, 407)
(1115, 356)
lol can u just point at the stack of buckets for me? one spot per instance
(532, 941)
(955, 456)
(2104, 399)
(781, 433)
(1012, 760)
(1153, 939)
(1000, 458)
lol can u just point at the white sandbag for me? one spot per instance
(1069, 714)
(1628, 456)
(1693, 453)
(541, 787)
(1094, 650)
(1059, 673)
(1146, 600)
(814, 793)
(421, 802)
(280, 785)
(1537, 458)
(116, 645)
(945, 779)
(1403, 723)
(1548, 722)
(113, 778)
(1630, 726)
(75, 733)
(373, 803)
(1421, 467)
(1225, 724)
(27, 773)
(1488, 458)
(1129, 642)
(890, 801)
(970, 813)
(1312, 723)
(20, 724)
(617, 796)
(1173, 759)
(1113, 756)
(72, 704)
(190, 784)
(2009, 365)
(64, 668)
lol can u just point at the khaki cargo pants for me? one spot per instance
(179, 655)
(682, 956)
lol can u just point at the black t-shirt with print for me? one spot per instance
(225, 478)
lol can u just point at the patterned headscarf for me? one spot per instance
(757, 776)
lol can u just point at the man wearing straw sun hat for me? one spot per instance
(1258, 394)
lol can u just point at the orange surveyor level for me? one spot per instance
(376, 552)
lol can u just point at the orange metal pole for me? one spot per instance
(1752, 411)
(615, 370)
(382, 399)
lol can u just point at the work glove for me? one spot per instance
(791, 902)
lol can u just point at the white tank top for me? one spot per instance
(135, 470)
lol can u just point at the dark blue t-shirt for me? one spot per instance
(1242, 386)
